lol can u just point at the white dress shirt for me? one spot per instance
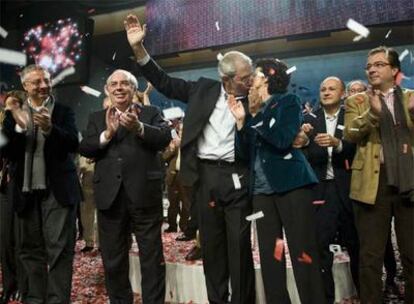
(331, 124)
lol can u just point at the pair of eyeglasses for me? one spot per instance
(38, 82)
(377, 65)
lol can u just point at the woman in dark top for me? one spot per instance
(281, 180)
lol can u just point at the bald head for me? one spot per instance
(331, 92)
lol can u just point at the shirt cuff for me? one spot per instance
(144, 61)
(103, 141)
(339, 148)
(18, 129)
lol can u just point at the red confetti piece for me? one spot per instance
(347, 164)
(278, 252)
(212, 204)
(405, 149)
(320, 202)
(91, 10)
(305, 258)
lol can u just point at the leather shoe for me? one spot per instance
(185, 238)
(194, 254)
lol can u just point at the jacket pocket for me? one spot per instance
(357, 164)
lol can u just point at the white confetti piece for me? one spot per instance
(272, 122)
(340, 127)
(388, 34)
(219, 56)
(217, 26)
(65, 73)
(113, 56)
(90, 91)
(403, 54)
(357, 28)
(354, 129)
(255, 216)
(12, 57)
(291, 70)
(288, 156)
(357, 38)
(173, 113)
(259, 124)
(3, 32)
(313, 115)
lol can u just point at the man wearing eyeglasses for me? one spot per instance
(208, 163)
(44, 187)
(124, 141)
(380, 122)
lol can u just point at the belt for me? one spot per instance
(217, 163)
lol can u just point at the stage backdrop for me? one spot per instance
(182, 25)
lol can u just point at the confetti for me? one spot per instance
(357, 28)
(219, 56)
(173, 113)
(403, 55)
(347, 167)
(291, 70)
(255, 216)
(12, 57)
(405, 149)
(388, 34)
(313, 115)
(320, 202)
(113, 56)
(272, 122)
(65, 73)
(357, 38)
(217, 26)
(91, 10)
(288, 156)
(212, 204)
(90, 91)
(278, 252)
(3, 32)
(305, 258)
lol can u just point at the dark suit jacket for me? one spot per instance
(318, 156)
(59, 147)
(269, 136)
(127, 159)
(201, 97)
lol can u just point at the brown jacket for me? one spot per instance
(171, 156)
(362, 128)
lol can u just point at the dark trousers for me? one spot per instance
(13, 276)
(115, 225)
(389, 261)
(47, 232)
(373, 225)
(294, 212)
(225, 234)
(178, 193)
(334, 217)
(192, 224)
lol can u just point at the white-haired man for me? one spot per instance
(208, 163)
(124, 141)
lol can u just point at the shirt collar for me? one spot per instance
(45, 102)
(332, 117)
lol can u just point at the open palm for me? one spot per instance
(135, 32)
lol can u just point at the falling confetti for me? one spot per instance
(291, 70)
(12, 57)
(90, 91)
(305, 258)
(65, 73)
(217, 26)
(219, 56)
(357, 38)
(403, 55)
(255, 216)
(3, 32)
(320, 202)
(278, 252)
(388, 34)
(113, 56)
(357, 28)
(212, 204)
(347, 164)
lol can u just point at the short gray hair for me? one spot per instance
(130, 77)
(352, 82)
(227, 64)
(30, 68)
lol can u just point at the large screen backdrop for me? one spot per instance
(181, 25)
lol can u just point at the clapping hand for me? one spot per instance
(375, 101)
(112, 122)
(237, 109)
(42, 119)
(21, 117)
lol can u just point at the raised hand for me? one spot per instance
(135, 32)
(43, 120)
(301, 140)
(307, 128)
(112, 122)
(375, 101)
(20, 117)
(237, 109)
